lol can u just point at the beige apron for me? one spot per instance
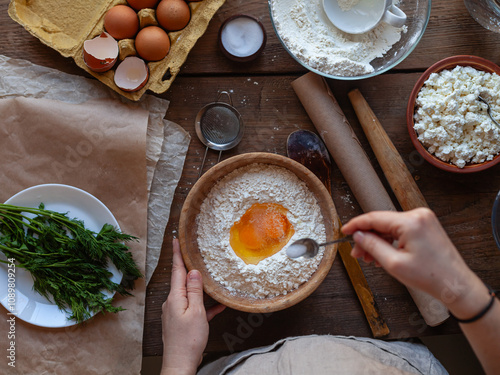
(330, 355)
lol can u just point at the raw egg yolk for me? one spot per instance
(262, 231)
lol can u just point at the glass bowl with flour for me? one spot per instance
(305, 31)
(238, 221)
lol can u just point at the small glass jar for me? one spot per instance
(485, 12)
(242, 37)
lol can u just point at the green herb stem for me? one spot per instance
(22, 222)
(68, 262)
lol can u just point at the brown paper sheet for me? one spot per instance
(345, 148)
(98, 147)
(166, 143)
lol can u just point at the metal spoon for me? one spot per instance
(307, 247)
(488, 110)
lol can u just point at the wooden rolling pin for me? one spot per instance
(399, 177)
(345, 148)
(402, 183)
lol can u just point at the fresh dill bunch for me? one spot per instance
(68, 262)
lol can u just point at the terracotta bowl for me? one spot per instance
(448, 63)
(194, 260)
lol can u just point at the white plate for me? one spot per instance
(29, 305)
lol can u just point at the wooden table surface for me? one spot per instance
(262, 93)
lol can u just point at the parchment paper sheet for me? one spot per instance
(346, 150)
(106, 349)
(98, 147)
(22, 78)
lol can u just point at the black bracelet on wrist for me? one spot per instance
(482, 312)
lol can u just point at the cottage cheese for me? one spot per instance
(452, 123)
(308, 33)
(228, 200)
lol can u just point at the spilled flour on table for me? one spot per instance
(311, 37)
(228, 200)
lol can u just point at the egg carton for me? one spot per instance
(65, 25)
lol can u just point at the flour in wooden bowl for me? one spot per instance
(225, 204)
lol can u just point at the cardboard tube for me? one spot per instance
(345, 148)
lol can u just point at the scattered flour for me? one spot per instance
(452, 123)
(310, 36)
(347, 5)
(228, 201)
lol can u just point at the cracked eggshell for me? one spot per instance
(132, 74)
(100, 53)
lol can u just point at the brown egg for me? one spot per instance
(173, 15)
(121, 22)
(141, 4)
(152, 43)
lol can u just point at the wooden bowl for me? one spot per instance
(449, 63)
(194, 260)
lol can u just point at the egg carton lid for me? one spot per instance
(65, 25)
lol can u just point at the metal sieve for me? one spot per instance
(219, 126)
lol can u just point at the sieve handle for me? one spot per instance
(228, 95)
(203, 163)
